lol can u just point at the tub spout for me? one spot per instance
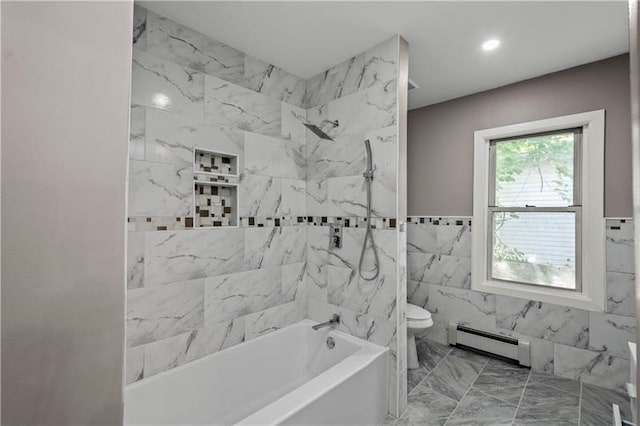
(334, 320)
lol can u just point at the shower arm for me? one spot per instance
(335, 123)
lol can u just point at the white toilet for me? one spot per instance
(418, 320)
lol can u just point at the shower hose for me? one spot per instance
(368, 236)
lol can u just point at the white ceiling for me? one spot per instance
(446, 61)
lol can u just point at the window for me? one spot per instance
(534, 210)
(538, 211)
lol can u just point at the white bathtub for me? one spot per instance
(289, 376)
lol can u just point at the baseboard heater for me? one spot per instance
(508, 348)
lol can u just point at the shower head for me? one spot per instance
(318, 131)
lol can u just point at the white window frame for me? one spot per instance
(592, 295)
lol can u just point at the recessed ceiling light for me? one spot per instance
(491, 44)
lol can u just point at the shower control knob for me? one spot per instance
(335, 235)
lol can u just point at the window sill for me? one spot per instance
(541, 294)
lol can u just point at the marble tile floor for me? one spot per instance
(459, 387)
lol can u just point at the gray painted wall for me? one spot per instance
(65, 76)
(440, 137)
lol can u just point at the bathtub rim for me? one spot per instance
(302, 323)
(329, 379)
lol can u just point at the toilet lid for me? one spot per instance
(417, 313)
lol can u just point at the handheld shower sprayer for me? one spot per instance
(368, 173)
(368, 236)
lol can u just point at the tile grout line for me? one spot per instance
(521, 397)
(496, 398)
(558, 388)
(466, 392)
(426, 375)
(580, 404)
(430, 371)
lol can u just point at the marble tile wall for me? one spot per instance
(568, 342)
(361, 94)
(192, 292)
(190, 91)
(189, 283)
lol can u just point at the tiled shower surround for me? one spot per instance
(192, 292)
(568, 342)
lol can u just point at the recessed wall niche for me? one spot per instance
(215, 188)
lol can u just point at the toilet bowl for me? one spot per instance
(418, 320)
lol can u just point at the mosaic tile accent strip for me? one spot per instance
(142, 224)
(138, 223)
(613, 223)
(439, 220)
(353, 221)
(211, 162)
(268, 222)
(214, 205)
(347, 222)
(619, 223)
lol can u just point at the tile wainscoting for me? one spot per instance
(567, 342)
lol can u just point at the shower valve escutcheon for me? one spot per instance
(335, 234)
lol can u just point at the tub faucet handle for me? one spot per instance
(335, 233)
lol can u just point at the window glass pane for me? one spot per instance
(535, 248)
(535, 170)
